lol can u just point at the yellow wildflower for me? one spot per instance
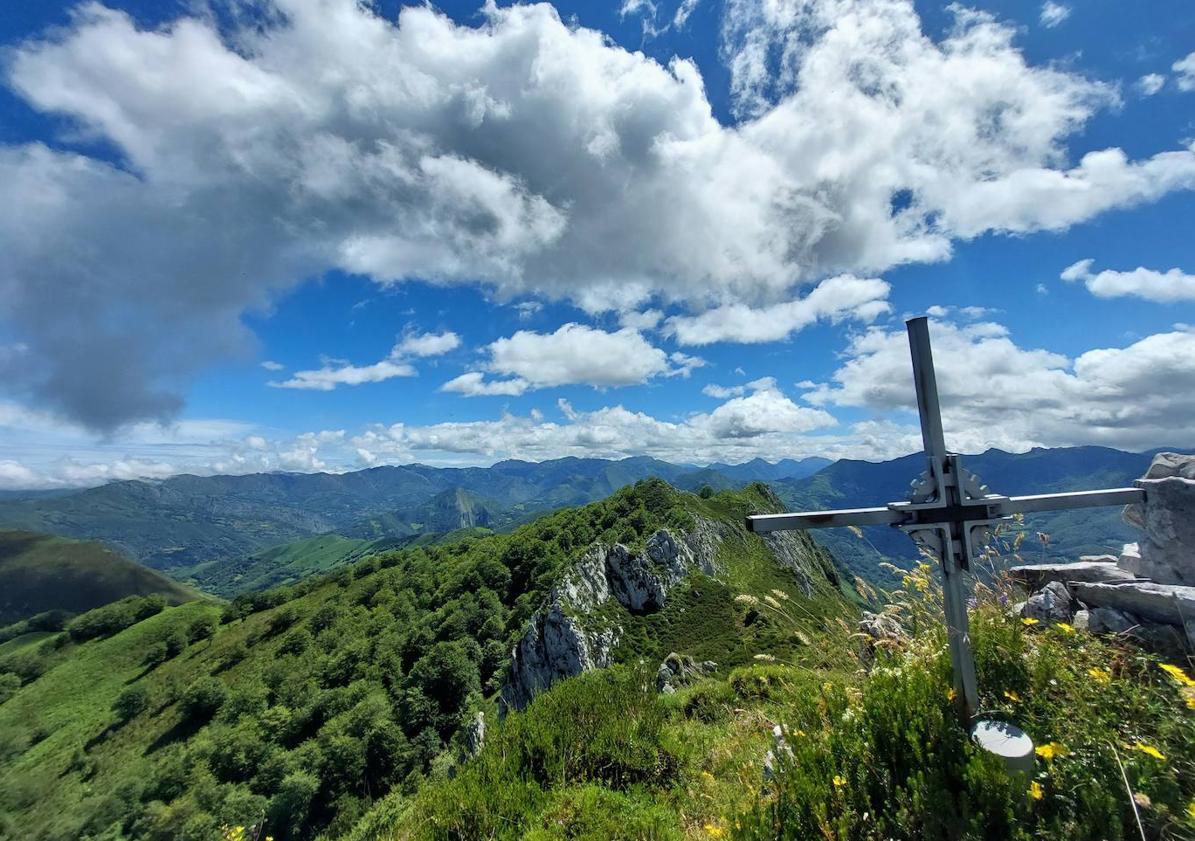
(1177, 673)
(714, 830)
(1029, 621)
(1150, 750)
(951, 694)
(1189, 696)
(706, 775)
(1100, 675)
(1035, 790)
(1012, 696)
(1051, 750)
(839, 781)
(1064, 627)
(1191, 810)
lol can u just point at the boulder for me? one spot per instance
(1051, 603)
(1167, 521)
(1036, 576)
(679, 669)
(1148, 600)
(1109, 620)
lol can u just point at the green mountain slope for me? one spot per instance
(189, 520)
(41, 573)
(309, 702)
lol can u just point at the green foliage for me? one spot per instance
(579, 753)
(131, 703)
(113, 618)
(203, 698)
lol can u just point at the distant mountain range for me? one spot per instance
(231, 533)
(853, 484)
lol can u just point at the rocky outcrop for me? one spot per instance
(1166, 551)
(680, 669)
(1148, 595)
(1102, 569)
(563, 639)
(554, 646)
(1154, 602)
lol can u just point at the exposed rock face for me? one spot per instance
(554, 646)
(561, 640)
(1154, 602)
(1051, 603)
(1167, 520)
(1035, 576)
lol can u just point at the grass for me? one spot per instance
(877, 748)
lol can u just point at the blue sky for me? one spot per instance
(735, 205)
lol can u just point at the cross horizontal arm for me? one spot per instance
(1079, 499)
(825, 519)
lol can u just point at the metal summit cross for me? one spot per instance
(949, 512)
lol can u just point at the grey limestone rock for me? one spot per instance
(1109, 620)
(1167, 521)
(1151, 601)
(1051, 603)
(1036, 576)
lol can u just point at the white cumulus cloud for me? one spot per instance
(320, 136)
(575, 354)
(998, 394)
(1184, 72)
(1162, 287)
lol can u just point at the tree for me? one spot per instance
(203, 698)
(202, 628)
(446, 675)
(130, 703)
(706, 492)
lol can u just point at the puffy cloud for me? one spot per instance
(835, 299)
(767, 410)
(722, 392)
(1150, 84)
(332, 375)
(271, 365)
(320, 136)
(426, 344)
(336, 373)
(1184, 70)
(1053, 14)
(1163, 287)
(997, 394)
(575, 354)
(474, 384)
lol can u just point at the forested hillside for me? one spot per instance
(294, 708)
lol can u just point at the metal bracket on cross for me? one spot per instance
(949, 512)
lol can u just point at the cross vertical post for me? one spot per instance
(954, 541)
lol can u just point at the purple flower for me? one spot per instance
(972, 603)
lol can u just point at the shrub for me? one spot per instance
(130, 703)
(114, 618)
(9, 684)
(202, 628)
(203, 698)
